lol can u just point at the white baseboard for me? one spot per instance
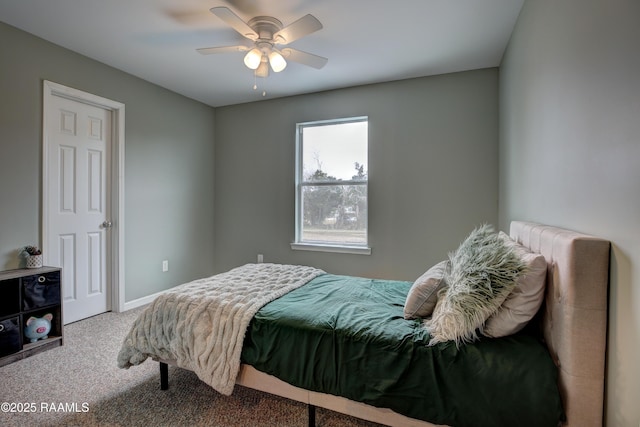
(130, 305)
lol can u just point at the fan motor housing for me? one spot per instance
(265, 26)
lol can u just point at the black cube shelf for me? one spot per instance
(25, 293)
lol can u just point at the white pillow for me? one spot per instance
(423, 295)
(526, 298)
(483, 272)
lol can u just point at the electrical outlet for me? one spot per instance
(260, 258)
(165, 266)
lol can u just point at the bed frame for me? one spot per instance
(574, 323)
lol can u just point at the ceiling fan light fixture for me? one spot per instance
(263, 69)
(277, 61)
(253, 58)
(266, 32)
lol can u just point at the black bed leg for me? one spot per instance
(164, 376)
(312, 415)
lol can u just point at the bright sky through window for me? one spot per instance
(335, 149)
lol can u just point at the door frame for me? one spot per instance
(116, 215)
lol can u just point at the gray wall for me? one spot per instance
(433, 172)
(169, 153)
(570, 152)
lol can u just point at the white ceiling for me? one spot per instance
(366, 41)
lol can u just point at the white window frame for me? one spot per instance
(355, 248)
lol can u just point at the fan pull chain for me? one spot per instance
(255, 84)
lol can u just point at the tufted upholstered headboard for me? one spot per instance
(574, 315)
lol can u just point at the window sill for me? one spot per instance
(342, 249)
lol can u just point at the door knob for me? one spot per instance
(107, 224)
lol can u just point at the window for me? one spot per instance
(331, 185)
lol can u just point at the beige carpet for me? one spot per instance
(79, 384)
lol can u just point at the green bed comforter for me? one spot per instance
(346, 336)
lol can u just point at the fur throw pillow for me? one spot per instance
(482, 274)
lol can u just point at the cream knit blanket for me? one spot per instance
(201, 325)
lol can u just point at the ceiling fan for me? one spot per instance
(267, 34)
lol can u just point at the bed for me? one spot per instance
(559, 377)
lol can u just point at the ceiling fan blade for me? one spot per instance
(306, 25)
(304, 58)
(234, 22)
(222, 49)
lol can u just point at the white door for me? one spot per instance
(78, 139)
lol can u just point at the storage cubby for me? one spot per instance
(10, 302)
(40, 290)
(26, 293)
(10, 336)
